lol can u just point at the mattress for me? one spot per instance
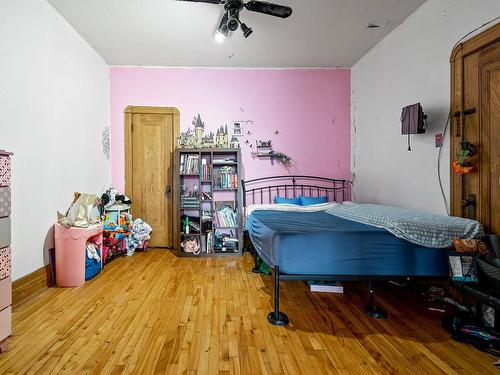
(317, 243)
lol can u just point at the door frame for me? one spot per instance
(458, 55)
(129, 112)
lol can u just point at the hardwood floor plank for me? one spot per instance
(154, 313)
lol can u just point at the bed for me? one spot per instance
(311, 244)
(336, 246)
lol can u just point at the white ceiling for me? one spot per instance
(319, 33)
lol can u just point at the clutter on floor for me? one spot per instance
(464, 327)
(116, 225)
(92, 232)
(92, 260)
(138, 236)
(112, 197)
(475, 272)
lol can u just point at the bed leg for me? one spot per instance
(276, 317)
(371, 309)
(256, 268)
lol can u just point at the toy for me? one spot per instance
(191, 246)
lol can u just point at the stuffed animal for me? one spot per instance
(191, 246)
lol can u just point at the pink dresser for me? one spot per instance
(5, 251)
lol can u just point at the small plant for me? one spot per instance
(462, 163)
(281, 158)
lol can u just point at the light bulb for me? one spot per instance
(219, 37)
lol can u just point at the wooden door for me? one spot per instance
(490, 135)
(476, 97)
(150, 140)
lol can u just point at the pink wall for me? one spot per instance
(309, 107)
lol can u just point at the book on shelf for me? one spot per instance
(189, 164)
(189, 201)
(224, 161)
(226, 178)
(326, 286)
(206, 170)
(210, 245)
(224, 244)
(203, 244)
(226, 241)
(225, 215)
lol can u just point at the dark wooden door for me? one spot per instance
(476, 94)
(490, 138)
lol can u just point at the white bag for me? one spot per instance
(81, 213)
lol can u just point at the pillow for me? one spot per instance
(307, 201)
(280, 200)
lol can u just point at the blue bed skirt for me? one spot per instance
(317, 243)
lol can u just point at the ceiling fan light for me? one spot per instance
(219, 37)
(232, 24)
(233, 20)
(246, 30)
(222, 30)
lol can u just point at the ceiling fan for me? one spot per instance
(230, 21)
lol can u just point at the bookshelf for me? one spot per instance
(209, 202)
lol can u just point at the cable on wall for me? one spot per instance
(439, 168)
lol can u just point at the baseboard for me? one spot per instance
(27, 286)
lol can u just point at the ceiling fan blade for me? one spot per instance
(269, 8)
(205, 1)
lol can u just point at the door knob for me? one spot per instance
(470, 204)
(168, 191)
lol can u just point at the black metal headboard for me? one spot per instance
(263, 190)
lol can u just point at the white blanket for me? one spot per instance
(421, 228)
(289, 207)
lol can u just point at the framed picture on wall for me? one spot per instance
(237, 129)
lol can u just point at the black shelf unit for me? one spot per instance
(218, 194)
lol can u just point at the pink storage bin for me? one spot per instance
(5, 263)
(70, 252)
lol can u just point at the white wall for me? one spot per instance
(410, 65)
(54, 104)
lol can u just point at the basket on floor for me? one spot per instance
(462, 267)
(113, 244)
(489, 275)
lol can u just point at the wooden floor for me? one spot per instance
(156, 313)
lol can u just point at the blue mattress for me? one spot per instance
(323, 244)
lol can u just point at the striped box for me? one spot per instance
(5, 263)
(5, 173)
